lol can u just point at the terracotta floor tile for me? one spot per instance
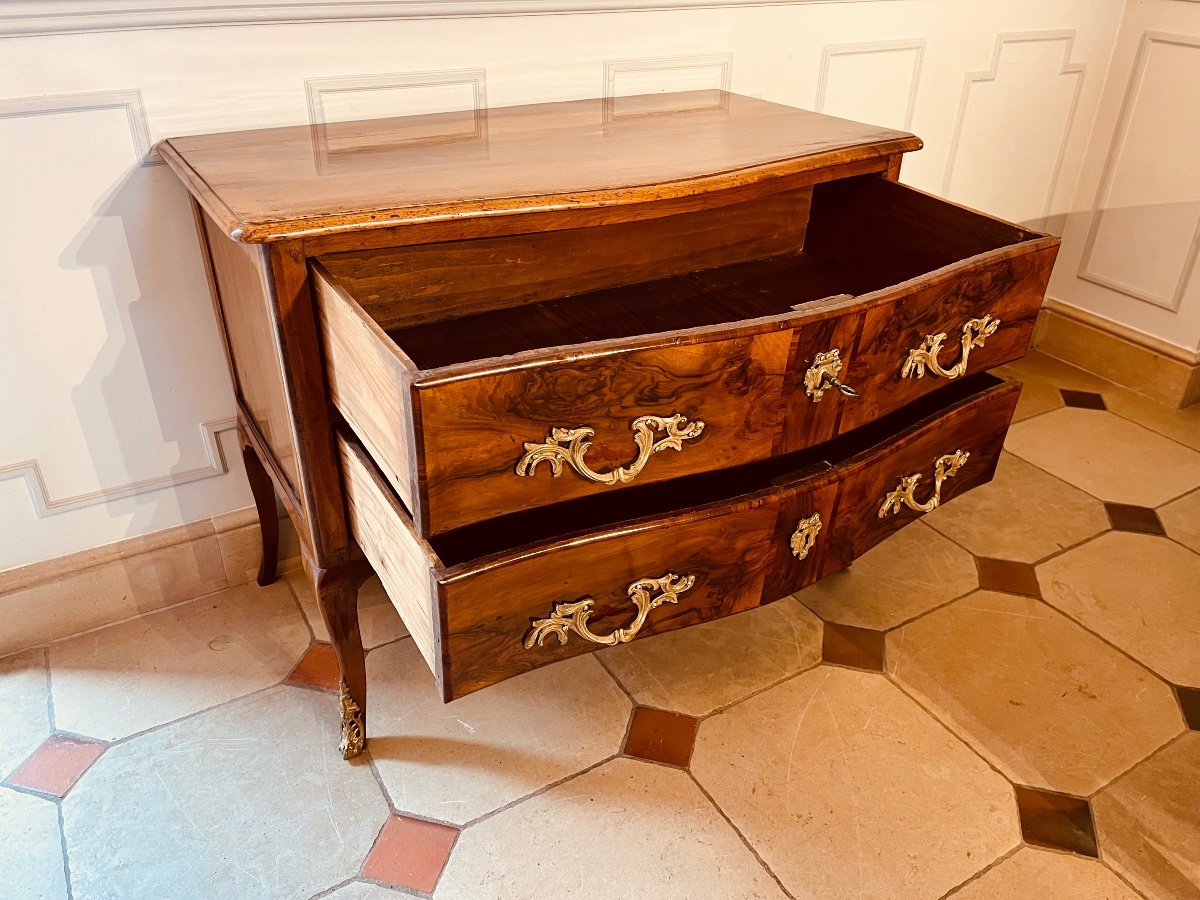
(1022, 514)
(860, 648)
(1126, 517)
(1147, 822)
(661, 736)
(1083, 399)
(1051, 705)
(1137, 591)
(699, 669)
(1056, 821)
(1031, 873)
(318, 668)
(1189, 701)
(56, 765)
(410, 853)
(1008, 576)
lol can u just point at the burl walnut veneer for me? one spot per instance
(579, 378)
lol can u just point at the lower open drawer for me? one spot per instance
(501, 597)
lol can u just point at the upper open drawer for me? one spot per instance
(500, 374)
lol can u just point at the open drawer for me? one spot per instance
(495, 375)
(496, 599)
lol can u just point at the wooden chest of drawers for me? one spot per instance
(577, 380)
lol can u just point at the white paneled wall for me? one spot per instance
(116, 406)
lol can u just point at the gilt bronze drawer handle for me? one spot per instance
(570, 444)
(573, 616)
(823, 375)
(974, 333)
(944, 467)
(805, 535)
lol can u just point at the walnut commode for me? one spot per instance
(574, 379)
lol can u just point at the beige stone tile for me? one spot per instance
(114, 590)
(31, 860)
(1109, 457)
(1181, 519)
(1023, 514)
(1039, 366)
(1147, 822)
(1037, 396)
(1137, 590)
(1182, 425)
(624, 830)
(249, 800)
(454, 762)
(378, 620)
(696, 670)
(130, 677)
(359, 890)
(1042, 874)
(241, 550)
(24, 711)
(847, 788)
(1048, 703)
(913, 571)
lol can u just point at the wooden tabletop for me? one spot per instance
(277, 183)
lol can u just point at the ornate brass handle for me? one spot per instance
(943, 467)
(570, 444)
(805, 535)
(823, 375)
(574, 616)
(974, 333)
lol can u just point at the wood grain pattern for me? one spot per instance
(270, 185)
(430, 283)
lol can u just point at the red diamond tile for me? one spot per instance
(1056, 820)
(56, 765)
(317, 668)
(410, 853)
(661, 736)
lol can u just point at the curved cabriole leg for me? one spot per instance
(337, 597)
(268, 521)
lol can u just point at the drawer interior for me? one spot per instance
(496, 535)
(453, 303)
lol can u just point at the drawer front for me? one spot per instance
(554, 431)
(506, 620)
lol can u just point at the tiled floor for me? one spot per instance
(1002, 701)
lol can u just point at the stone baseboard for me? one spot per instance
(58, 598)
(1138, 361)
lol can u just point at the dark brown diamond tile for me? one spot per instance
(1083, 399)
(1189, 700)
(1127, 517)
(1007, 576)
(661, 736)
(846, 645)
(1058, 821)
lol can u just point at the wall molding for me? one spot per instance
(45, 505)
(1133, 90)
(35, 18)
(130, 101)
(829, 51)
(1067, 36)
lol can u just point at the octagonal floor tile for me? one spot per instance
(1023, 514)
(1051, 705)
(24, 711)
(1148, 822)
(155, 669)
(1182, 425)
(454, 762)
(913, 571)
(1030, 872)
(1107, 456)
(377, 617)
(626, 829)
(1138, 591)
(249, 800)
(847, 788)
(31, 861)
(360, 890)
(1181, 519)
(699, 669)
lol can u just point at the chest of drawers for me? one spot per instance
(576, 379)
